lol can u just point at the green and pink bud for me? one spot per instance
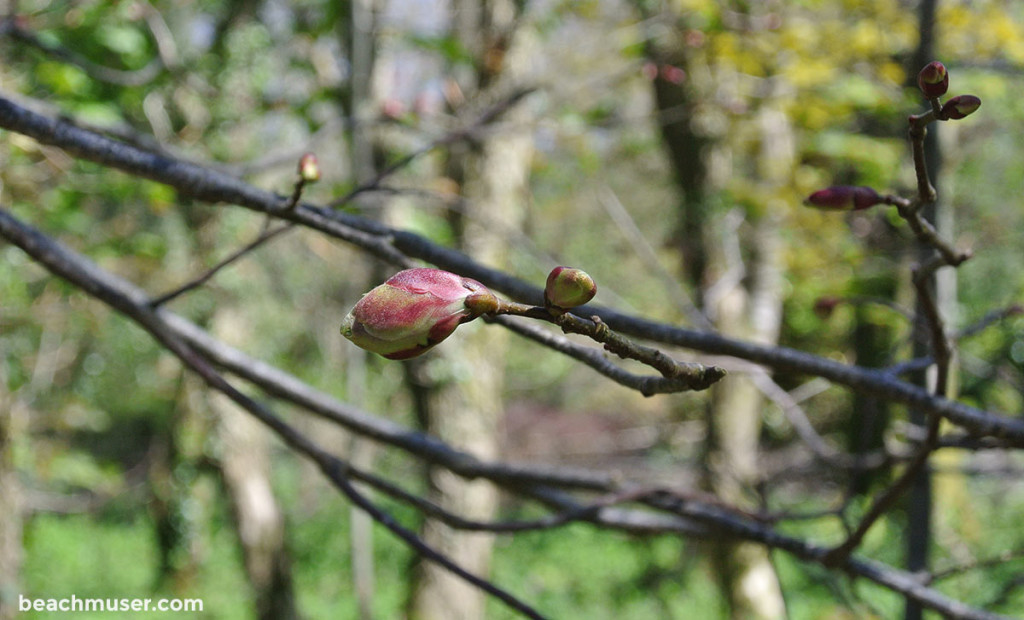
(309, 168)
(844, 198)
(933, 80)
(567, 288)
(960, 106)
(414, 310)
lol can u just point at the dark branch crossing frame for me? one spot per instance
(569, 492)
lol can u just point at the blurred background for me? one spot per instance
(664, 147)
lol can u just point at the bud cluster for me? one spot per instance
(933, 81)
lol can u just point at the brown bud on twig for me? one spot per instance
(844, 198)
(933, 80)
(960, 106)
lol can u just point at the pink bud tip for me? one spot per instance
(309, 168)
(568, 287)
(844, 198)
(960, 106)
(414, 310)
(933, 80)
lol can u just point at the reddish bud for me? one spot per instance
(414, 310)
(309, 168)
(960, 106)
(933, 80)
(825, 306)
(568, 288)
(844, 198)
(672, 74)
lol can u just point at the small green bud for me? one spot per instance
(568, 288)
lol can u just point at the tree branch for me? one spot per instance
(399, 248)
(135, 304)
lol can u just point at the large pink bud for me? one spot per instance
(414, 310)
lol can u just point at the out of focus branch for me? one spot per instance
(120, 77)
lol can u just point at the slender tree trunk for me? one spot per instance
(919, 499)
(465, 408)
(359, 36)
(245, 469)
(732, 261)
(747, 576)
(180, 532)
(10, 507)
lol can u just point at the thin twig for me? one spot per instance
(486, 117)
(686, 375)
(648, 385)
(138, 77)
(265, 235)
(940, 343)
(952, 571)
(918, 131)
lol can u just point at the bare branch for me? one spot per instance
(400, 247)
(83, 274)
(725, 520)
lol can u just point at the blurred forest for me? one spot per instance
(663, 146)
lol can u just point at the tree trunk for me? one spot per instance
(465, 408)
(245, 468)
(732, 262)
(10, 507)
(919, 499)
(745, 570)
